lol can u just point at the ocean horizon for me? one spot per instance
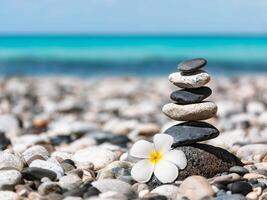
(145, 55)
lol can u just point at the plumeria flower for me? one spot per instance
(157, 158)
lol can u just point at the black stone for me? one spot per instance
(4, 141)
(204, 160)
(35, 173)
(69, 161)
(92, 191)
(241, 187)
(119, 140)
(192, 65)
(190, 95)
(61, 139)
(260, 184)
(191, 132)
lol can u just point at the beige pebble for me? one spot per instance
(226, 178)
(148, 129)
(190, 112)
(252, 196)
(253, 176)
(170, 191)
(257, 190)
(195, 188)
(261, 166)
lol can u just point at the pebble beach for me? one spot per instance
(68, 138)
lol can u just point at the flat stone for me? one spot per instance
(190, 95)
(203, 160)
(194, 80)
(190, 112)
(191, 132)
(192, 65)
(36, 173)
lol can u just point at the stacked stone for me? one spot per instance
(189, 106)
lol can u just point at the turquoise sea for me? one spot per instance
(129, 55)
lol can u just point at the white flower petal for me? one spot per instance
(177, 157)
(142, 171)
(166, 171)
(163, 142)
(141, 149)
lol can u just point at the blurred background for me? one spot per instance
(123, 37)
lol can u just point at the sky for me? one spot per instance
(133, 16)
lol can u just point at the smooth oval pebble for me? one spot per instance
(9, 177)
(98, 156)
(70, 182)
(241, 187)
(50, 164)
(35, 152)
(192, 65)
(227, 178)
(10, 161)
(190, 112)
(239, 170)
(36, 173)
(190, 95)
(196, 187)
(191, 132)
(115, 186)
(169, 191)
(195, 80)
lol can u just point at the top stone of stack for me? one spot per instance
(192, 65)
(190, 74)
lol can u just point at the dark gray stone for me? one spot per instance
(192, 65)
(204, 160)
(4, 141)
(35, 173)
(190, 95)
(80, 191)
(191, 132)
(239, 170)
(241, 187)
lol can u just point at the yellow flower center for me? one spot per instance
(155, 156)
